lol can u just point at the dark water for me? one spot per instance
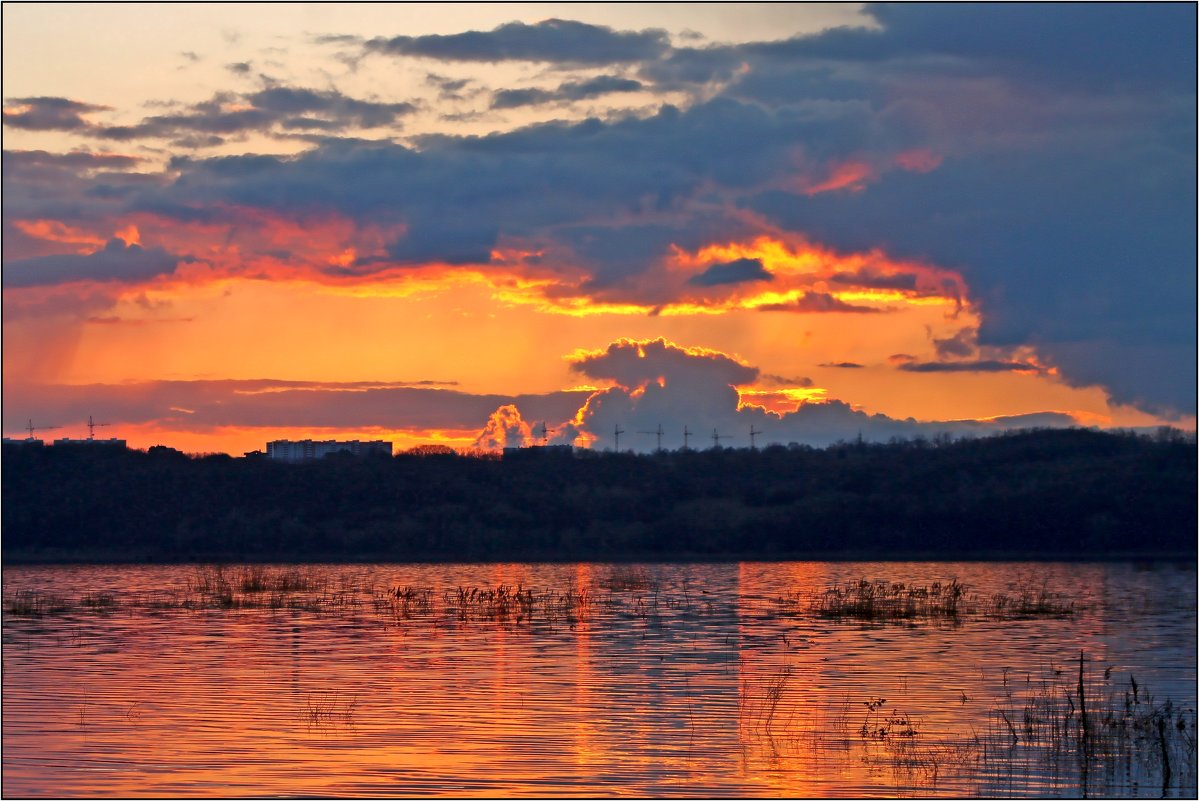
(656, 679)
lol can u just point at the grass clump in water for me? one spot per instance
(627, 579)
(31, 603)
(1077, 729)
(504, 604)
(99, 600)
(1030, 602)
(949, 602)
(1108, 733)
(260, 587)
(884, 601)
(258, 578)
(330, 709)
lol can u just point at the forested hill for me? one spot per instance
(1055, 493)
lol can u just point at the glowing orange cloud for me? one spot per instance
(130, 235)
(505, 428)
(55, 231)
(342, 255)
(849, 175)
(799, 266)
(796, 265)
(781, 400)
(251, 242)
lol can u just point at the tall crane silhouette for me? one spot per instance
(91, 427)
(618, 431)
(686, 436)
(752, 434)
(658, 433)
(716, 438)
(30, 427)
(545, 434)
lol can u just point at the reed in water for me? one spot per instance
(950, 602)
(1078, 727)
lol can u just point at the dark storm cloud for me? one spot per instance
(781, 84)
(48, 114)
(611, 197)
(117, 261)
(1093, 48)
(771, 380)
(634, 363)
(49, 310)
(1068, 198)
(76, 161)
(207, 121)
(1103, 44)
(309, 124)
(688, 67)
(448, 88)
(1158, 377)
(366, 114)
(819, 303)
(74, 188)
(276, 104)
(733, 272)
(959, 345)
(568, 91)
(977, 366)
(516, 98)
(207, 124)
(554, 40)
(1075, 246)
(599, 85)
(617, 255)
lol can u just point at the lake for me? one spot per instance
(733, 679)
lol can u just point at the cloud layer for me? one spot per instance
(655, 384)
(557, 41)
(277, 403)
(1035, 164)
(659, 383)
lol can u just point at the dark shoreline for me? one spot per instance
(26, 559)
(1050, 495)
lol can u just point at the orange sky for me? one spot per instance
(360, 194)
(500, 334)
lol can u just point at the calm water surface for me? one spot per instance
(645, 680)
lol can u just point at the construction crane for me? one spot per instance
(716, 438)
(686, 436)
(91, 427)
(30, 427)
(659, 435)
(618, 431)
(545, 434)
(752, 434)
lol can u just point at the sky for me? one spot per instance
(457, 225)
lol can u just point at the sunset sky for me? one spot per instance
(230, 224)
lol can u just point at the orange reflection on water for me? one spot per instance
(675, 679)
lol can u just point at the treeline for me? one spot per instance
(1050, 493)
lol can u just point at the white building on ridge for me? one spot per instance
(286, 450)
